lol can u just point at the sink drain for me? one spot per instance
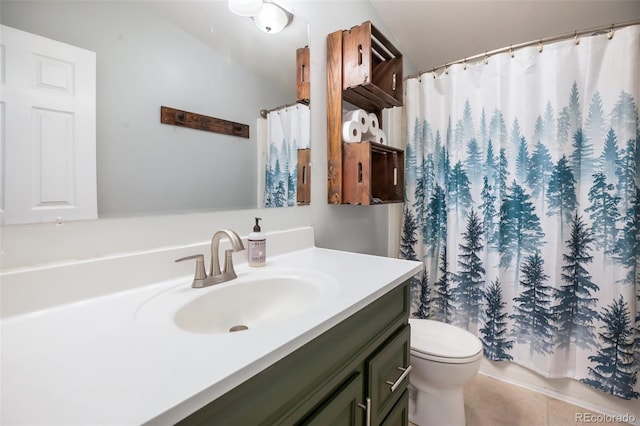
(238, 328)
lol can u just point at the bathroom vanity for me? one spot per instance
(327, 340)
(354, 370)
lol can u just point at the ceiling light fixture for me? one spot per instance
(246, 8)
(272, 18)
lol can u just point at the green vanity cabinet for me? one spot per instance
(399, 415)
(384, 371)
(342, 407)
(331, 379)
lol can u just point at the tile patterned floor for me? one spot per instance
(491, 402)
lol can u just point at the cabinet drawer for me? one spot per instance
(387, 374)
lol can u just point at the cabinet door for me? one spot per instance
(341, 409)
(399, 414)
(387, 374)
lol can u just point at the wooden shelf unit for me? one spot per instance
(304, 177)
(303, 81)
(372, 174)
(371, 68)
(365, 70)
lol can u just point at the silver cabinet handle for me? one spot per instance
(405, 373)
(393, 82)
(367, 409)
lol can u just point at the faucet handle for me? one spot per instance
(228, 265)
(200, 274)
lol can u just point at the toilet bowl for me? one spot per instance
(443, 359)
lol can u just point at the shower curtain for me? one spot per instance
(523, 202)
(288, 130)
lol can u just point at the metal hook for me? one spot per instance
(540, 47)
(511, 53)
(577, 39)
(486, 58)
(464, 64)
(434, 73)
(446, 69)
(610, 34)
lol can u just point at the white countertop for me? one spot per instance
(92, 362)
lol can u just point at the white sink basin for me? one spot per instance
(253, 301)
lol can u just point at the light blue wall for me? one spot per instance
(353, 228)
(143, 62)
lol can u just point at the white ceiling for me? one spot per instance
(431, 33)
(270, 55)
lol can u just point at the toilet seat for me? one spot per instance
(441, 342)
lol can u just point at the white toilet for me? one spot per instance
(443, 359)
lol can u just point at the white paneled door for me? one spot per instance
(48, 134)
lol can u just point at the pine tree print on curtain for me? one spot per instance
(288, 130)
(522, 200)
(494, 334)
(614, 370)
(574, 312)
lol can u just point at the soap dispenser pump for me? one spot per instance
(257, 246)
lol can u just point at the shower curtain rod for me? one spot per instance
(264, 112)
(539, 42)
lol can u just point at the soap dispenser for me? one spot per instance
(257, 246)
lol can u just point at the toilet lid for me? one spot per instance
(442, 340)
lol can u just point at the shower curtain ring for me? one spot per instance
(446, 69)
(540, 47)
(464, 64)
(486, 58)
(511, 52)
(434, 73)
(610, 34)
(577, 39)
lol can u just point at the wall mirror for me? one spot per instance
(191, 55)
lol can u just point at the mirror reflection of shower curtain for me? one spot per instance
(288, 130)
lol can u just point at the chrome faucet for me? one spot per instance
(236, 245)
(215, 275)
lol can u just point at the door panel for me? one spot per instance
(49, 130)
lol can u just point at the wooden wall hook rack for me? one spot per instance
(192, 120)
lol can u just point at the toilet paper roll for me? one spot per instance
(381, 138)
(370, 135)
(351, 131)
(374, 126)
(360, 116)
